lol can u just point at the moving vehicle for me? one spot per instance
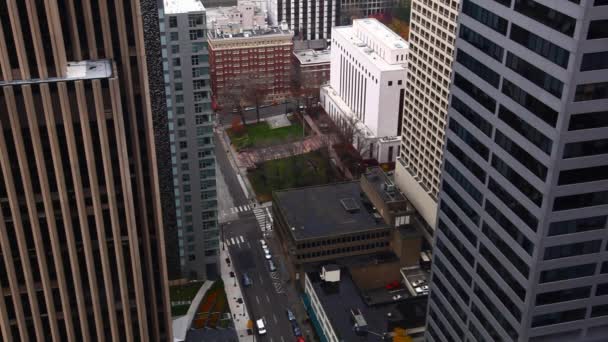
(290, 315)
(263, 243)
(246, 280)
(296, 329)
(271, 266)
(261, 327)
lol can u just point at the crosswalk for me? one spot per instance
(264, 218)
(232, 212)
(238, 240)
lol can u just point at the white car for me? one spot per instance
(263, 243)
(261, 327)
(267, 255)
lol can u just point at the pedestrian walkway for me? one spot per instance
(249, 159)
(240, 316)
(234, 241)
(264, 218)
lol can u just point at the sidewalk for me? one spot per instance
(232, 159)
(240, 316)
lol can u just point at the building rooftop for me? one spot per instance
(381, 33)
(383, 185)
(309, 57)
(338, 299)
(218, 35)
(183, 6)
(327, 210)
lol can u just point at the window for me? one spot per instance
(563, 295)
(546, 16)
(570, 272)
(535, 75)
(198, 47)
(463, 182)
(390, 83)
(525, 129)
(179, 98)
(177, 74)
(502, 272)
(517, 180)
(591, 91)
(198, 84)
(197, 34)
(558, 317)
(497, 314)
(465, 160)
(177, 61)
(485, 17)
(195, 20)
(472, 116)
(589, 199)
(195, 59)
(399, 82)
(588, 120)
(172, 21)
(572, 249)
(469, 139)
(478, 68)
(509, 228)
(595, 61)
(583, 175)
(598, 29)
(474, 92)
(482, 43)
(532, 104)
(179, 86)
(521, 155)
(174, 49)
(599, 310)
(174, 36)
(461, 203)
(602, 289)
(512, 203)
(506, 250)
(180, 110)
(456, 221)
(577, 225)
(449, 257)
(499, 292)
(539, 45)
(586, 148)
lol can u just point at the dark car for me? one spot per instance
(297, 332)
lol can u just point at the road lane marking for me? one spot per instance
(242, 184)
(257, 299)
(267, 299)
(242, 240)
(282, 339)
(227, 242)
(233, 210)
(232, 241)
(248, 245)
(276, 321)
(261, 280)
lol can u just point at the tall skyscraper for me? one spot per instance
(309, 19)
(432, 36)
(520, 249)
(82, 253)
(186, 64)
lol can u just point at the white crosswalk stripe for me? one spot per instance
(242, 239)
(232, 240)
(264, 218)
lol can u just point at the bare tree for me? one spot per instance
(231, 97)
(354, 142)
(255, 92)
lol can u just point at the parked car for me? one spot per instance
(261, 326)
(267, 255)
(246, 280)
(263, 243)
(296, 329)
(271, 266)
(290, 315)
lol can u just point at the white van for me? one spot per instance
(261, 327)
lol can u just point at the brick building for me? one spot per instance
(260, 53)
(312, 67)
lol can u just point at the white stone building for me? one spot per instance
(367, 86)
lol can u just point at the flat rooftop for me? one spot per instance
(250, 33)
(320, 211)
(362, 48)
(183, 6)
(383, 185)
(381, 33)
(338, 299)
(310, 56)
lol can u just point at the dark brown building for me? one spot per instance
(82, 140)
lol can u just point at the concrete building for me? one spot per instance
(432, 36)
(246, 15)
(367, 86)
(309, 19)
(83, 159)
(312, 67)
(264, 54)
(350, 9)
(520, 249)
(190, 117)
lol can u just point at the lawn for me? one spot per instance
(261, 135)
(298, 171)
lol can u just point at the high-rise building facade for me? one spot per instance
(309, 19)
(432, 36)
(520, 246)
(82, 246)
(190, 117)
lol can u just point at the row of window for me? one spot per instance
(456, 221)
(475, 93)
(473, 117)
(342, 250)
(346, 239)
(469, 139)
(524, 214)
(526, 130)
(535, 75)
(517, 180)
(521, 155)
(511, 229)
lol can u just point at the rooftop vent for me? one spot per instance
(350, 205)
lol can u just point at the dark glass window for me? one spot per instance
(588, 120)
(502, 272)
(513, 204)
(583, 175)
(586, 148)
(474, 92)
(595, 61)
(438, 281)
(463, 182)
(456, 221)
(521, 155)
(546, 16)
(570, 272)
(499, 293)
(172, 21)
(600, 3)
(598, 29)
(532, 104)
(591, 91)
(541, 46)
(451, 280)
(601, 289)
(572, 249)
(517, 180)
(504, 248)
(478, 68)
(509, 227)
(485, 17)
(469, 139)
(489, 327)
(599, 310)
(535, 75)
(525, 129)
(472, 116)
(466, 161)
(449, 257)
(563, 295)
(589, 199)
(496, 313)
(577, 225)
(446, 315)
(460, 202)
(482, 43)
(457, 244)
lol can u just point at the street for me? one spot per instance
(242, 223)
